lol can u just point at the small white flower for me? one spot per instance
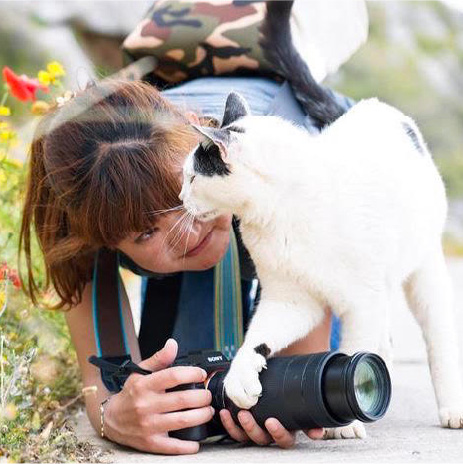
(68, 95)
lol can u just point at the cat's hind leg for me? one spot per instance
(430, 297)
(277, 322)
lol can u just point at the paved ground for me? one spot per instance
(408, 433)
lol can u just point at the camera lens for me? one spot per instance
(368, 387)
(317, 390)
(357, 387)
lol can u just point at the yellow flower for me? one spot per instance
(7, 135)
(40, 108)
(2, 292)
(4, 125)
(5, 111)
(44, 77)
(55, 69)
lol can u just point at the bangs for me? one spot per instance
(129, 186)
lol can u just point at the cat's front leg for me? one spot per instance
(276, 324)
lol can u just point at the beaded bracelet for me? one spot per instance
(102, 405)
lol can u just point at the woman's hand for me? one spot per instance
(251, 431)
(142, 414)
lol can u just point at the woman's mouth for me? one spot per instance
(203, 244)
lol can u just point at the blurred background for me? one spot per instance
(413, 60)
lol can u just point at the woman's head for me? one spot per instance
(102, 167)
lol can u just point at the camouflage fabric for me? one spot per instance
(194, 38)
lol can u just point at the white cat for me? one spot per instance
(350, 218)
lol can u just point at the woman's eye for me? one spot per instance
(147, 235)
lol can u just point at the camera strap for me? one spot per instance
(112, 317)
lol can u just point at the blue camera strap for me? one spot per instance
(216, 291)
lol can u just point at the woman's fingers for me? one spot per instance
(282, 437)
(232, 429)
(162, 358)
(186, 399)
(314, 434)
(252, 429)
(168, 445)
(175, 376)
(183, 419)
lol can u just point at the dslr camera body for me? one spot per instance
(328, 389)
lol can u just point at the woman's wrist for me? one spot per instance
(102, 416)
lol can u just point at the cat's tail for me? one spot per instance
(278, 48)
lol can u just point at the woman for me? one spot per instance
(97, 166)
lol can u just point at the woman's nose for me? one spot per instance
(182, 232)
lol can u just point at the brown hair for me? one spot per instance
(100, 165)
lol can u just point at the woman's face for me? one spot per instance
(172, 247)
(175, 245)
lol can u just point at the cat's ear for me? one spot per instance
(220, 137)
(236, 107)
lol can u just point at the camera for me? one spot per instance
(328, 389)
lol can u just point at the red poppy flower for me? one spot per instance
(10, 274)
(22, 87)
(14, 279)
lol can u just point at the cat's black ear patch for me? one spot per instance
(236, 107)
(208, 160)
(263, 350)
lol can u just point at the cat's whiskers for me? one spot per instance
(181, 231)
(162, 211)
(172, 228)
(192, 220)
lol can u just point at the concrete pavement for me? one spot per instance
(408, 433)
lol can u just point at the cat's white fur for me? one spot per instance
(351, 219)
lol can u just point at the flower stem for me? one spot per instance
(4, 97)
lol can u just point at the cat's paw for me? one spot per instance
(242, 383)
(354, 430)
(451, 418)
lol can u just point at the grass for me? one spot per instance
(40, 389)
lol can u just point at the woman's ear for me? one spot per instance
(192, 117)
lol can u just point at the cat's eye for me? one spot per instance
(192, 178)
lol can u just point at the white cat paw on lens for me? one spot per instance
(242, 381)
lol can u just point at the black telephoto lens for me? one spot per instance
(328, 389)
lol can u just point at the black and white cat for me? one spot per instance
(351, 218)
